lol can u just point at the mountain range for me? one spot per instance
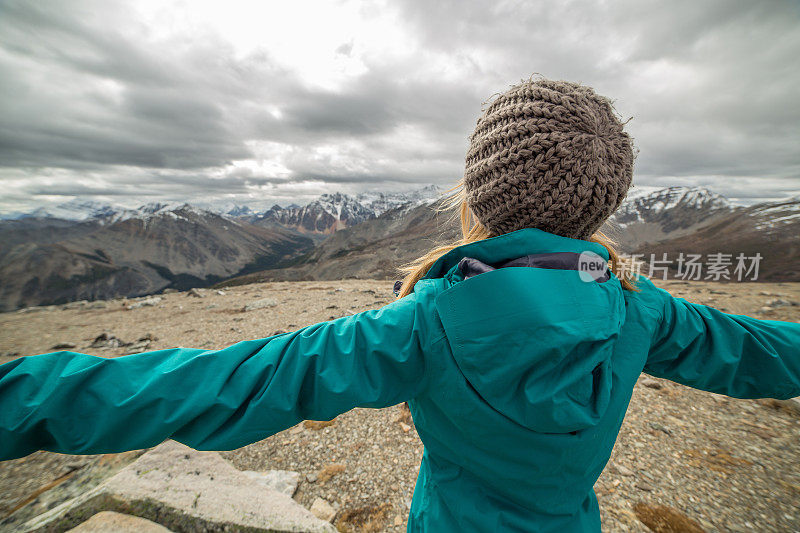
(649, 224)
(87, 250)
(51, 261)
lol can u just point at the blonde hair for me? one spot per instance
(472, 230)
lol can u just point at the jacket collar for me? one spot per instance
(510, 246)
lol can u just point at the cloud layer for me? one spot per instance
(186, 102)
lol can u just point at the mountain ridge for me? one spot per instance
(105, 253)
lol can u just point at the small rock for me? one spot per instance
(169, 290)
(778, 302)
(398, 520)
(322, 510)
(107, 340)
(261, 304)
(659, 427)
(644, 486)
(651, 384)
(197, 293)
(75, 465)
(147, 302)
(311, 478)
(622, 470)
(221, 293)
(63, 346)
(33, 309)
(141, 345)
(75, 305)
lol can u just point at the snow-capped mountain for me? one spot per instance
(240, 211)
(655, 206)
(776, 215)
(154, 210)
(333, 212)
(380, 202)
(327, 213)
(651, 216)
(75, 209)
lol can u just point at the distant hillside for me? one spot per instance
(665, 214)
(373, 249)
(770, 229)
(44, 261)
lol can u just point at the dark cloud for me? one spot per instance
(345, 49)
(92, 104)
(711, 86)
(83, 96)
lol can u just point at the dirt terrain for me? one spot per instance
(717, 463)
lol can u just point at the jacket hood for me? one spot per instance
(534, 342)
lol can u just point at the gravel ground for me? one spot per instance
(717, 463)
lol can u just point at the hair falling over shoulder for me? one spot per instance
(472, 230)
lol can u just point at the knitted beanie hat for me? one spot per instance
(550, 155)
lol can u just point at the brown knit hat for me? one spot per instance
(550, 155)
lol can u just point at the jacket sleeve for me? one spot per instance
(75, 403)
(736, 355)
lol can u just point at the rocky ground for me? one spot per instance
(695, 460)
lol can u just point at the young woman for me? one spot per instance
(517, 348)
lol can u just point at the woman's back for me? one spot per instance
(531, 371)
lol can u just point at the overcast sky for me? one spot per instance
(263, 101)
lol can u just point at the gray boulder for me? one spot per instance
(185, 491)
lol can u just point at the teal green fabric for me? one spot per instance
(518, 380)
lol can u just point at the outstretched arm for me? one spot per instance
(735, 355)
(212, 399)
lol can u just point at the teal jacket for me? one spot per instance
(518, 380)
